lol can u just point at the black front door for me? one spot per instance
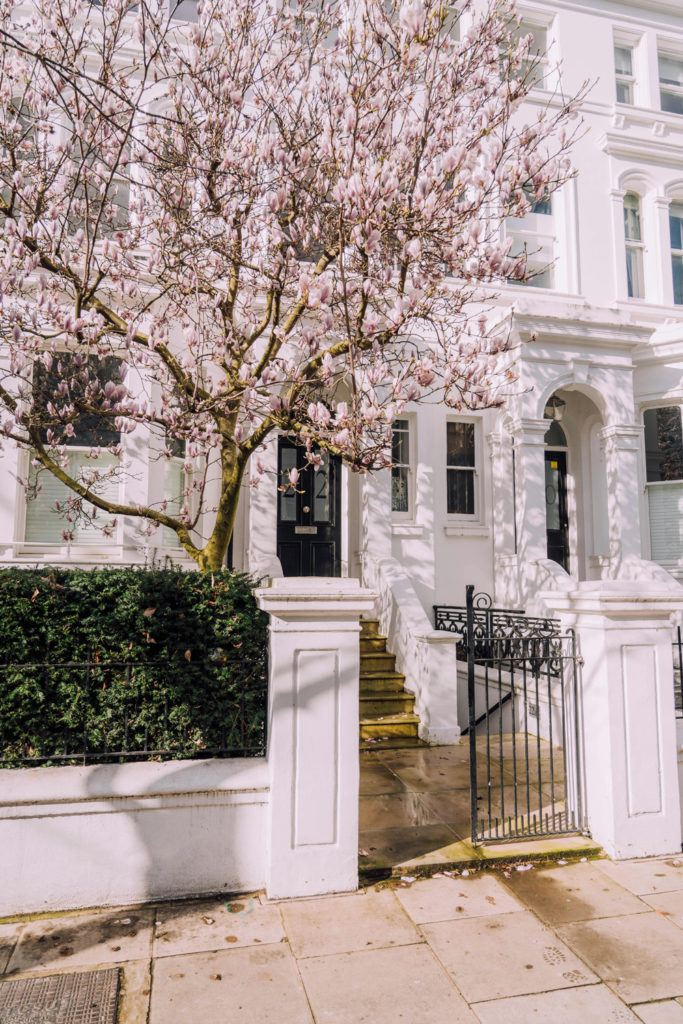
(556, 508)
(308, 514)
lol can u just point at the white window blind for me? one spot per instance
(174, 485)
(45, 525)
(666, 521)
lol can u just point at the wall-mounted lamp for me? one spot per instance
(554, 410)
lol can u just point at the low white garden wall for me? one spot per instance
(117, 834)
(107, 835)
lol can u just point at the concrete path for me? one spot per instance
(576, 943)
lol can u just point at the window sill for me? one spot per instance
(467, 530)
(407, 530)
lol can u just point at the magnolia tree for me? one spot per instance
(272, 218)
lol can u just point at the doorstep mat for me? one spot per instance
(88, 997)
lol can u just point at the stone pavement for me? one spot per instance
(414, 813)
(589, 942)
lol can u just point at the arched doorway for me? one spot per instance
(575, 479)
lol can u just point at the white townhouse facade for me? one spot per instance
(582, 469)
(580, 475)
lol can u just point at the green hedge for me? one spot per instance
(129, 664)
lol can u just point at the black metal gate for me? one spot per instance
(523, 720)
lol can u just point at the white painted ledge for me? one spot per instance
(122, 781)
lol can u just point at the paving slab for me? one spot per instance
(377, 779)
(573, 892)
(643, 877)
(9, 936)
(386, 847)
(639, 956)
(134, 992)
(594, 1004)
(252, 985)
(434, 777)
(395, 810)
(668, 1012)
(344, 924)
(505, 955)
(424, 756)
(382, 986)
(83, 940)
(668, 904)
(200, 927)
(455, 898)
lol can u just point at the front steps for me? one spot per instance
(387, 710)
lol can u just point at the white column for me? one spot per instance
(627, 713)
(619, 240)
(376, 515)
(662, 278)
(262, 553)
(313, 734)
(622, 445)
(438, 678)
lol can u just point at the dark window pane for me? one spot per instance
(288, 496)
(555, 436)
(399, 489)
(90, 429)
(400, 443)
(677, 268)
(676, 227)
(460, 444)
(672, 102)
(321, 490)
(623, 61)
(460, 485)
(663, 444)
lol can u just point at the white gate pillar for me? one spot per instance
(627, 716)
(313, 734)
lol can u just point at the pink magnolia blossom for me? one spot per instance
(275, 219)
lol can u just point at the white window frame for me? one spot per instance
(621, 78)
(672, 90)
(637, 247)
(93, 545)
(476, 470)
(676, 255)
(651, 485)
(409, 515)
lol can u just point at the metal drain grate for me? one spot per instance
(87, 998)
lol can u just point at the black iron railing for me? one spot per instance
(500, 633)
(678, 671)
(523, 720)
(113, 711)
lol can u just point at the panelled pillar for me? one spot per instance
(313, 734)
(622, 444)
(627, 718)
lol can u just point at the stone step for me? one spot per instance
(373, 645)
(381, 682)
(390, 725)
(369, 627)
(382, 704)
(391, 743)
(377, 662)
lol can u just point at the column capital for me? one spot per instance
(627, 436)
(291, 601)
(530, 432)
